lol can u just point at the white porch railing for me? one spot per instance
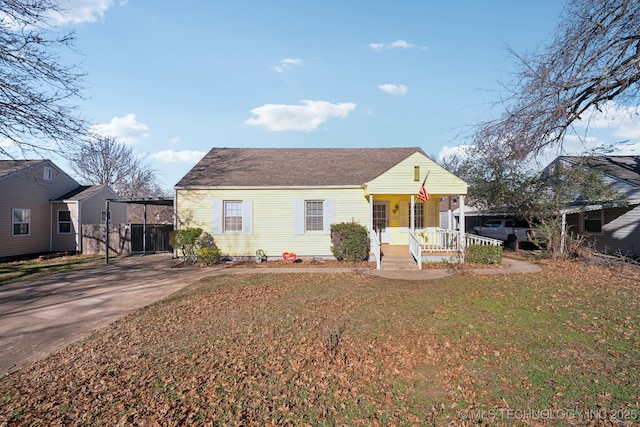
(415, 248)
(442, 240)
(474, 239)
(375, 247)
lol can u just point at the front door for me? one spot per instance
(381, 220)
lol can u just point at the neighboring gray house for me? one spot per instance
(614, 229)
(42, 209)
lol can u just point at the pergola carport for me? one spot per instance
(145, 201)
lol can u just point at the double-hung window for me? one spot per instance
(593, 221)
(20, 221)
(232, 216)
(314, 215)
(64, 222)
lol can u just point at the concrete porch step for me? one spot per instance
(398, 263)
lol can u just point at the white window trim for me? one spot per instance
(328, 216)
(319, 231)
(224, 217)
(592, 233)
(218, 217)
(13, 223)
(70, 222)
(47, 173)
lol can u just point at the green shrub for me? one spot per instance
(209, 256)
(479, 254)
(186, 241)
(350, 241)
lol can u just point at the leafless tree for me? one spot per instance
(37, 91)
(104, 160)
(594, 58)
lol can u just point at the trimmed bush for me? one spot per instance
(209, 256)
(186, 241)
(478, 254)
(350, 241)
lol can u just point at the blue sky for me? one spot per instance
(175, 79)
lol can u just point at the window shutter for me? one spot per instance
(328, 215)
(247, 217)
(404, 214)
(299, 214)
(217, 217)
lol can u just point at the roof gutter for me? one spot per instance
(264, 187)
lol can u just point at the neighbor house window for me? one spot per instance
(48, 174)
(103, 217)
(593, 221)
(232, 216)
(313, 215)
(20, 219)
(419, 215)
(64, 222)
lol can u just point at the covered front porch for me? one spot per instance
(401, 222)
(397, 217)
(406, 231)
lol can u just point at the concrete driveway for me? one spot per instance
(42, 315)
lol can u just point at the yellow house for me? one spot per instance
(283, 200)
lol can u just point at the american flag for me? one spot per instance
(423, 194)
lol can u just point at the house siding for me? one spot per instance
(400, 179)
(92, 207)
(27, 189)
(273, 225)
(64, 242)
(620, 231)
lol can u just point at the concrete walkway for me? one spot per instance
(42, 315)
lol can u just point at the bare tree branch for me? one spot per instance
(37, 92)
(594, 58)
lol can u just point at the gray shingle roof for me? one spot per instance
(80, 193)
(223, 167)
(8, 167)
(623, 167)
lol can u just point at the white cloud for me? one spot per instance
(184, 156)
(79, 11)
(447, 152)
(623, 122)
(393, 89)
(175, 140)
(398, 44)
(306, 117)
(287, 63)
(127, 129)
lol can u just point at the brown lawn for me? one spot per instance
(559, 347)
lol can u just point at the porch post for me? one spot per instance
(106, 238)
(144, 230)
(412, 217)
(562, 232)
(371, 230)
(461, 224)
